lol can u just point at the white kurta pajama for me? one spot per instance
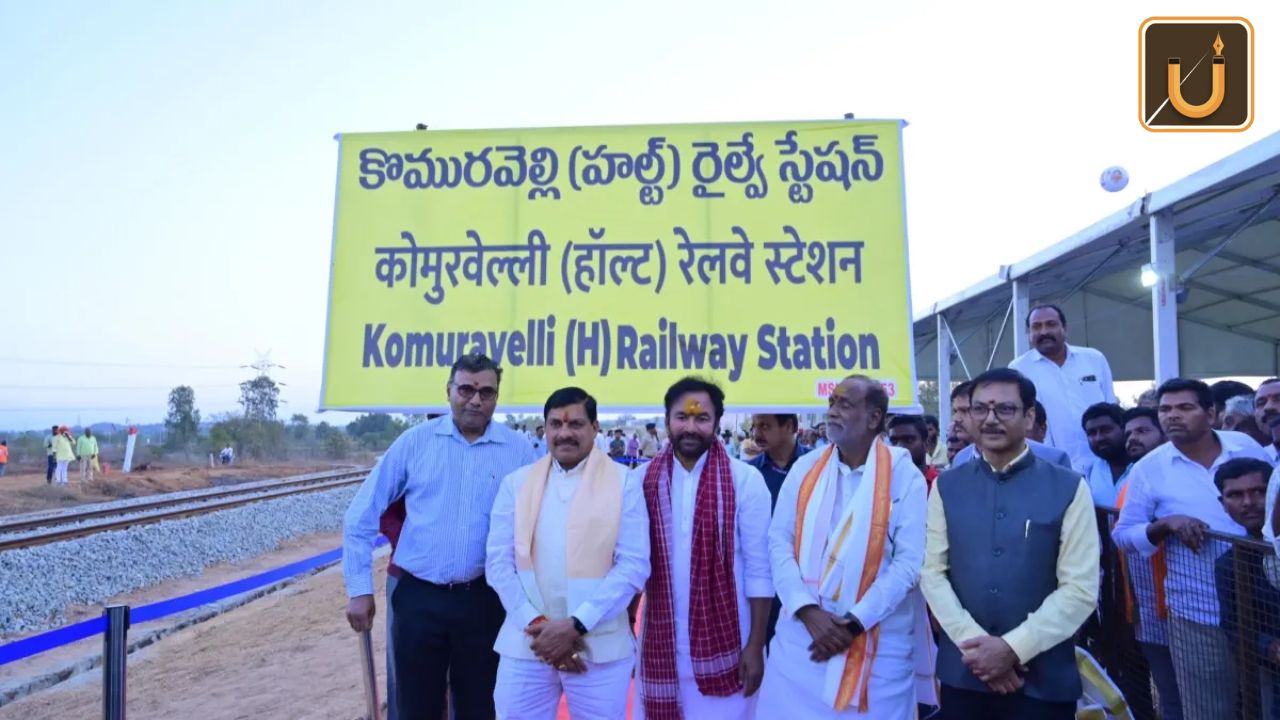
(750, 570)
(903, 665)
(527, 687)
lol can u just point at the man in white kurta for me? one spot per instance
(567, 630)
(754, 590)
(828, 602)
(1068, 379)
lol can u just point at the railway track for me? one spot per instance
(73, 524)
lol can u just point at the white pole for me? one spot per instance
(128, 450)
(1021, 304)
(944, 380)
(1164, 303)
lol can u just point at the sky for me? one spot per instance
(166, 188)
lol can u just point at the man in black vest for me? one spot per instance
(1011, 567)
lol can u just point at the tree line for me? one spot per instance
(257, 432)
(254, 432)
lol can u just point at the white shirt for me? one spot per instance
(750, 548)
(847, 480)
(1066, 392)
(1166, 482)
(539, 445)
(1102, 486)
(623, 582)
(1273, 489)
(550, 547)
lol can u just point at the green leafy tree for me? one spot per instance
(927, 396)
(337, 445)
(26, 448)
(260, 397)
(299, 426)
(375, 430)
(182, 424)
(258, 439)
(324, 430)
(222, 434)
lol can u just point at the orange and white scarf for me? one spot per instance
(592, 532)
(840, 576)
(1159, 571)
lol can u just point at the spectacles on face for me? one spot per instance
(1003, 411)
(466, 392)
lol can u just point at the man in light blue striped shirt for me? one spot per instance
(446, 617)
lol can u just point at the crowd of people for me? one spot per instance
(642, 446)
(61, 449)
(873, 568)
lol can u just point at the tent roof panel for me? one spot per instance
(1227, 236)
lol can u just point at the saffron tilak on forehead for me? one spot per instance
(693, 407)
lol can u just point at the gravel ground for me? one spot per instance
(38, 584)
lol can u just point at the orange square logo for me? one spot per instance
(1195, 74)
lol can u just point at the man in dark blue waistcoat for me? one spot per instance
(1011, 567)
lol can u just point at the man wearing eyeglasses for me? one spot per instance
(446, 618)
(966, 424)
(1010, 568)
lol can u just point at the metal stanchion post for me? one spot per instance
(115, 647)
(369, 674)
(1246, 632)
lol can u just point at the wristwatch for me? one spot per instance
(577, 625)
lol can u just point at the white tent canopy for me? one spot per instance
(1213, 242)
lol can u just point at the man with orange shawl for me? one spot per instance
(846, 545)
(568, 549)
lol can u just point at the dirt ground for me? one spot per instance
(288, 655)
(25, 492)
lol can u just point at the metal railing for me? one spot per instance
(1194, 631)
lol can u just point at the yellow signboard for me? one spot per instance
(770, 257)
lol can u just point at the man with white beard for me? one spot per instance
(847, 544)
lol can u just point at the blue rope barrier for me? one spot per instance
(36, 644)
(46, 641)
(172, 606)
